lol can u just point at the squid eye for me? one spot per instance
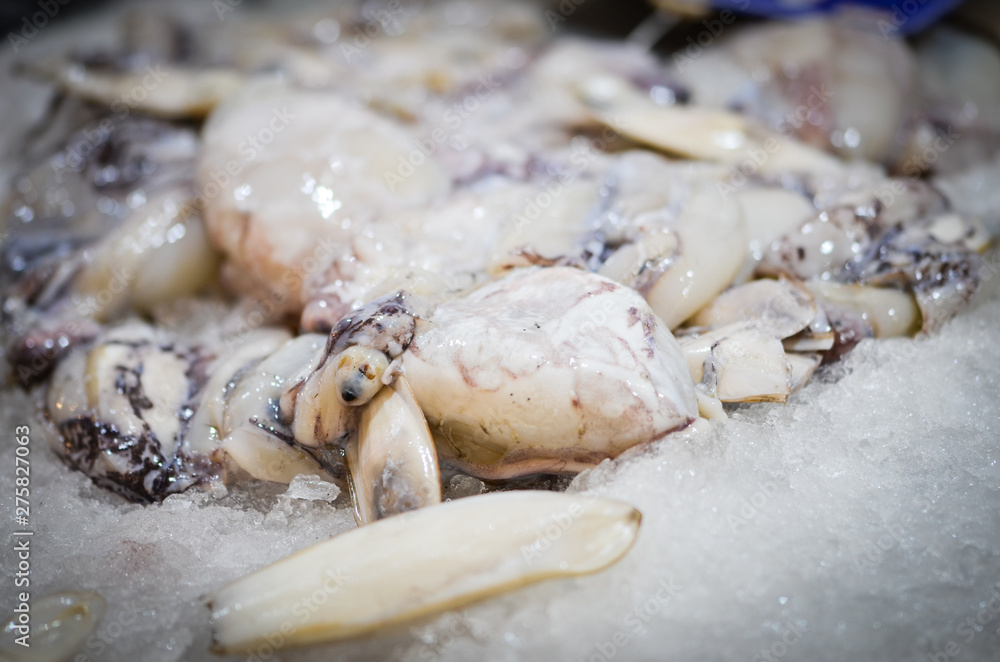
(359, 374)
(350, 393)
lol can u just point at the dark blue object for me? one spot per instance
(906, 16)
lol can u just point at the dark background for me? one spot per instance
(611, 18)
(603, 18)
(12, 11)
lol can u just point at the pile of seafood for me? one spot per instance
(388, 245)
